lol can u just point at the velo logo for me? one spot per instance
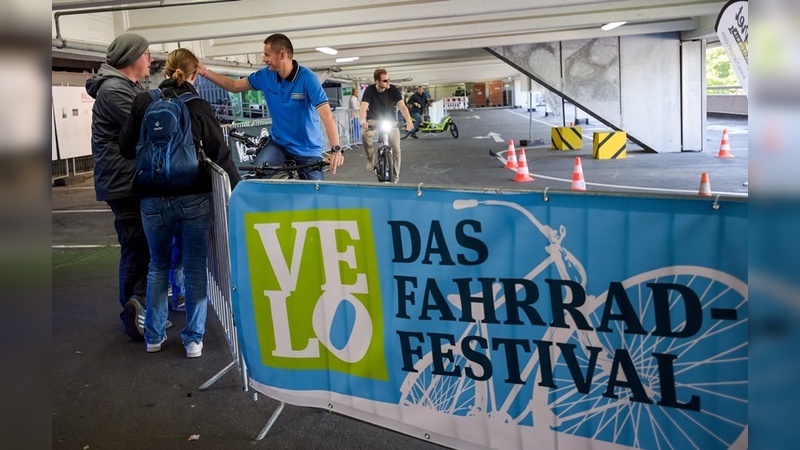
(316, 293)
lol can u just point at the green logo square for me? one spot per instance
(316, 290)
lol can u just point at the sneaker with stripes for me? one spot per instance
(140, 322)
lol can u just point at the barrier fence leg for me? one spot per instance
(216, 377)
(271, 422)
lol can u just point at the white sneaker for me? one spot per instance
(194, 349)
(153, 348)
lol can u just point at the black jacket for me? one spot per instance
(417, 98)
(205, 129)
(113, 93)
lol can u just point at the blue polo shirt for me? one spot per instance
(293, 104)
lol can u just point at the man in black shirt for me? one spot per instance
(417, 104)
(378, 103)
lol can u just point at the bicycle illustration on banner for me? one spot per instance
(658, 360)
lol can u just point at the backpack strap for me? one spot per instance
(187, 96)
(156, 94)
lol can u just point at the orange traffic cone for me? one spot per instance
(511, 156)
(578, 183)
(705, 185)
(522, 169)
(724, 146)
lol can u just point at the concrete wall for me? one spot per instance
(727, 104)
(651, 90)
(592, 75)
(543, 62)
(693, 104)
(632, 83)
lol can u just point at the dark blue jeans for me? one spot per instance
(417, 121)
(134, 255)
(275, 155)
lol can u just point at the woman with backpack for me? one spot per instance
(184, 206)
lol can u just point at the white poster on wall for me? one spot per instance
(731, 28)
(72, 118)
(54, 142)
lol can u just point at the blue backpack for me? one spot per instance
(165, 155)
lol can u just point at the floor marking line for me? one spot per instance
(84, 246)
(65, 211)
(681, 191)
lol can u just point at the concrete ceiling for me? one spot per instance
(422, 41)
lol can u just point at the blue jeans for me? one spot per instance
(133, 254)
(275, 155)
(162, 217)
(176, 271)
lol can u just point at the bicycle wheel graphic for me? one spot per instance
(711, 365)
(429, 388)
(458, 396)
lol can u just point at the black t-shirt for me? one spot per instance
(381, 104)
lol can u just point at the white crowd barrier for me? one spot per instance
(219, 272)
(348, 126)
(452, 103)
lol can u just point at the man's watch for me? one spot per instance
(336, 149)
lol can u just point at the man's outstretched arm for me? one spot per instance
(227, 83)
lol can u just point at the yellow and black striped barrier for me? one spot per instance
(566, 138)
(609, 145)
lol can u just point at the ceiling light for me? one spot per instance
(348, 59)
(608, 26)
(327, 50)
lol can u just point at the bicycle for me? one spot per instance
(289, 170)
(586, 410)
(384, 155)
(427, 127)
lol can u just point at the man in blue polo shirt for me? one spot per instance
(293, 93)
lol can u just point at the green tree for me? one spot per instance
(718, 69)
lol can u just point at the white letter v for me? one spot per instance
(269, 239)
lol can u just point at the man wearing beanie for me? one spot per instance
(114, 88)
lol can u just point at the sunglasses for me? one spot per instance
(385, 81)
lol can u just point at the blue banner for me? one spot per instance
(502, 320)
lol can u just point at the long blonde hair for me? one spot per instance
(181, 64)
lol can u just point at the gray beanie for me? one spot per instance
(125, 50)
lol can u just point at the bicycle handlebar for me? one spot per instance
(288, 167)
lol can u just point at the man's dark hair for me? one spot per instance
(378, 73)
(278, 42)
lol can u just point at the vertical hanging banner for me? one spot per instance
(498, 320)
(731, 28)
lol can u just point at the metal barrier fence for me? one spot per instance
(724, 90)
(349, 129)
(62, 168)
(219, 272)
